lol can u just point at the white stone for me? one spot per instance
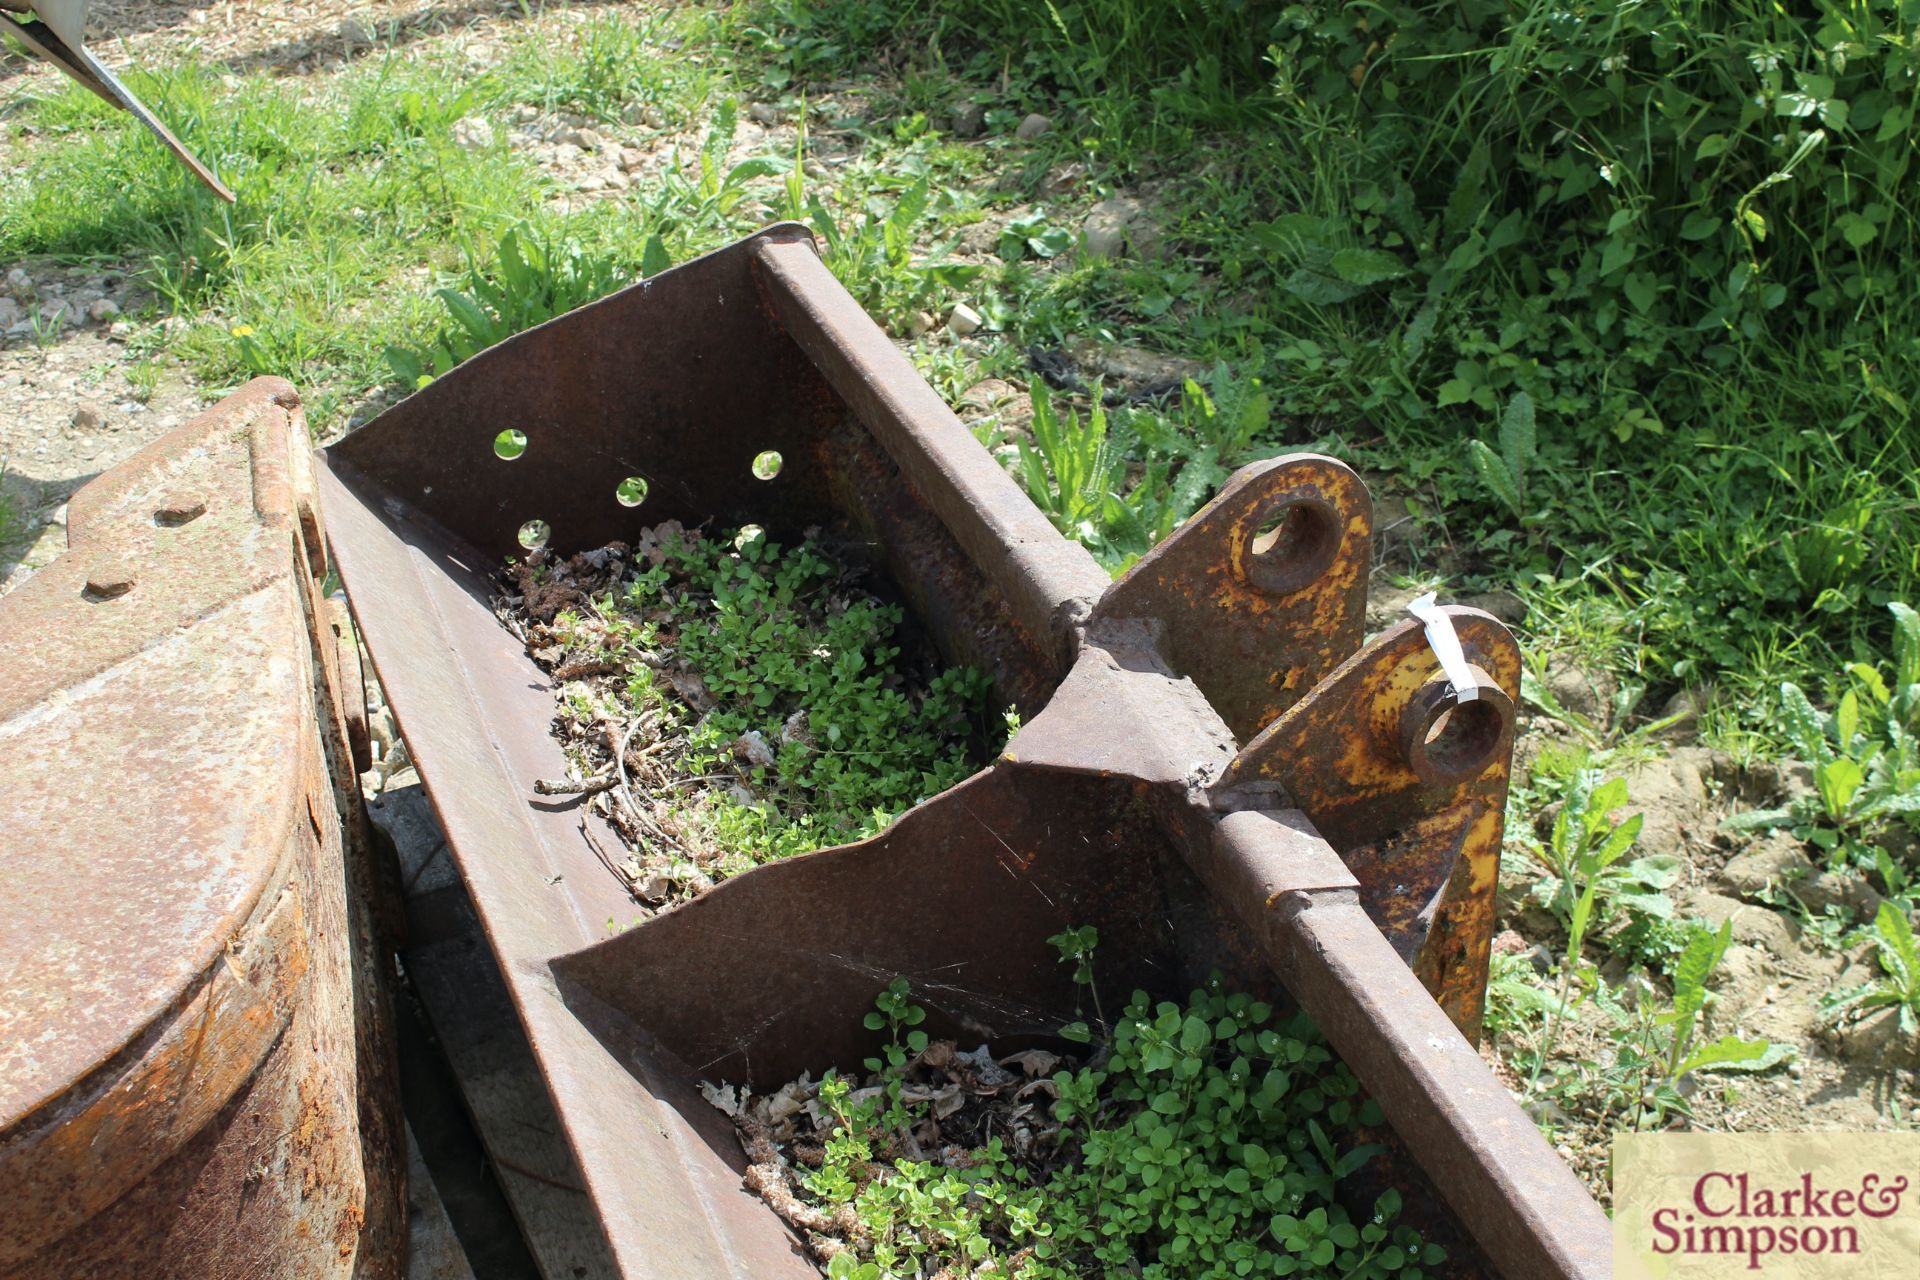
(963, 320)
(753, 748)
(1103, 237)
(473, 133)
(1108, 226)
(1033, 126)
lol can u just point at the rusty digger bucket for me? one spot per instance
(1213, 770)
(197, 1075)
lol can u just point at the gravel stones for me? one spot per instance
(473, 133)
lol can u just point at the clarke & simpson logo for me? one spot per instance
(1727, 1215)
(1779, 1205)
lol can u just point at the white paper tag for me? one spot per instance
(1446, 647)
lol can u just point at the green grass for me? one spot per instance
(10, 528)
(348, 187)
(1382, 236)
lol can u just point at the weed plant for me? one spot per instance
(755, 694)
(1865, 758)
(1898, 985)
(815, 672)
(1671, 230)
(1653, 1043)
(1209, 1138)
(532, 281)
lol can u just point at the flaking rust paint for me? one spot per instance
(187, 1104)
(1254, 651)
(1427, 856)
(93, 1149)
(1459, 949)
(1344, 581)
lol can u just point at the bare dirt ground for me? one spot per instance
(75, 399)
(284, 36)
(1768, 986)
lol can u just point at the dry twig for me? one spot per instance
(565, 787)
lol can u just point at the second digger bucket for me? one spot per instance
(1214, 771)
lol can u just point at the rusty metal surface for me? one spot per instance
(959, 896)
(888, 524)
(1420, 823)
(180, 1081)
(1103, 810)
(1255, 621)
(350, 683)
(474, 710)
(1050, 582)
(1526, 1208)
(421, 510)
(681, 380)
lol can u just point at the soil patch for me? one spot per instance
(76, 397)
(1789, 922)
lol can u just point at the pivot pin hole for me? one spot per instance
(1448, 741)
(1292, 544)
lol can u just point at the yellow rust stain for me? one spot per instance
(1482, 849)
(346, 1231)
(1339, 753)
